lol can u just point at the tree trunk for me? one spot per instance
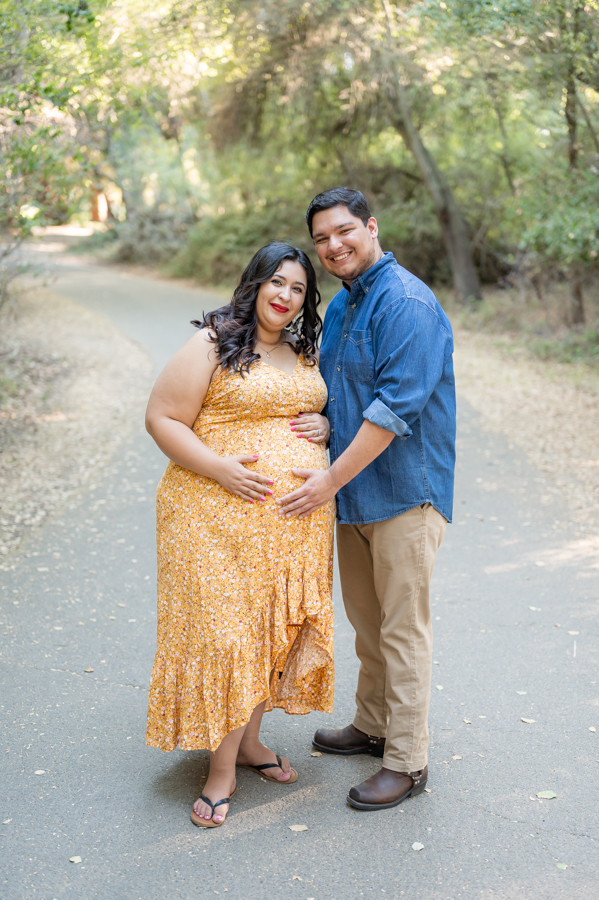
(571, 119)
(577, 302)
(489, 78)
(453, 225)
(570, 110)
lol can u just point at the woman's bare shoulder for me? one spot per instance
(202, 345)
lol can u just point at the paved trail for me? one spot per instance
(81, 595)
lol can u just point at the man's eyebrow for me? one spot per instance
(321, 233)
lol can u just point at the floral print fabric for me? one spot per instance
(242, 591)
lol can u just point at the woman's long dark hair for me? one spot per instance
(235, 326)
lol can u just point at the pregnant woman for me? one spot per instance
(245, 620)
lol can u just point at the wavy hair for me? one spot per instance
(235, 326)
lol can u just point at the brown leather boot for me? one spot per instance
(347, 741)
(387, 789)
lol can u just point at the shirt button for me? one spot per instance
(332, 430)
(353, 306)
(366, 290)
(332, 399)
(345, 335)
(338, 368)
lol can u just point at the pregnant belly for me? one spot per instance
(278, 448)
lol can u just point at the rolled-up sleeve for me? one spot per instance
(381, 415)
(411, 348)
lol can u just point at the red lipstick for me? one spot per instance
(281, 309)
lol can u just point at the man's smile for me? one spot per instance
(341, 256)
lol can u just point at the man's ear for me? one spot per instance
(373, 227)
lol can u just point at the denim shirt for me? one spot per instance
(386, 356)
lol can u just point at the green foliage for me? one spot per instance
(219, 248)
(563, 220)
(210, 124)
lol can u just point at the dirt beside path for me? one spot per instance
(71, 389)
(549, 410)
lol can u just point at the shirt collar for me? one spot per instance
(362, 284)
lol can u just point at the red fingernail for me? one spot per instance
(250, 500)
(309, 439)
(270, 481)
(255, 456)
(262, 498)
(269, 492)
(293, 428)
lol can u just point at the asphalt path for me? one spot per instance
(515, 619)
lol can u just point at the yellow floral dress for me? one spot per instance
(242, 591)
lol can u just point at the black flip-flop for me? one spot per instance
(277, 765)
(210, 823)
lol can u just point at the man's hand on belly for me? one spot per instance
(317, 490)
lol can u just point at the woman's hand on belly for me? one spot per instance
(231, 473)
(312, 426)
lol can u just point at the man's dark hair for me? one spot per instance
(342, 196)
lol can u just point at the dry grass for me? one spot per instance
(540, 324)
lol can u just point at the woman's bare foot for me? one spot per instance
(254, 753)
(216, 788)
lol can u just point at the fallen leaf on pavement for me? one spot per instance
(89, 669)
(439, 687)
(535, 608)
(561, 866)
(457, 757)
(546, 795)
(75, 859)
(521, 693)
(298, 827)
(316, 753)
(574, 632)
(297, 878)
(528, 721)
(534, 800)
(593, 729)
(6, 821)
(467, 721)
(426, 790)
(417, 846)
(40, 772)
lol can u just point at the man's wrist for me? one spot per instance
(336, 482)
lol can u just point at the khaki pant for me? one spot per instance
(386, 569)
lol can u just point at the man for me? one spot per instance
(387, 360)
